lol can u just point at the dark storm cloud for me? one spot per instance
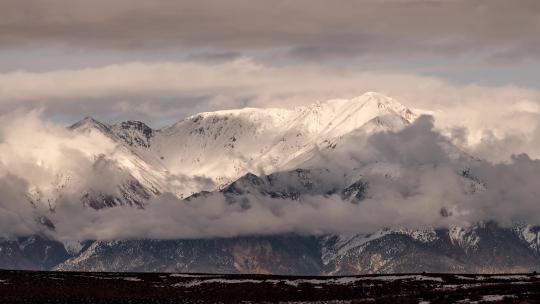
(313, 28)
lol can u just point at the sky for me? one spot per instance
(159, 61)
(473, 66)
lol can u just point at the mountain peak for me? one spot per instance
(134, 133)
(373, 110)
(134, 124)
(380, 101)
(373, 94)
(87, 120)
(89, 123)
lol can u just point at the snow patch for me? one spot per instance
(466, 238)
(132, 279)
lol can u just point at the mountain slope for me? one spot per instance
(350, 150)
(210, 150)
(225, 145)
(497, 250)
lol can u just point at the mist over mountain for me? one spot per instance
(340, 183)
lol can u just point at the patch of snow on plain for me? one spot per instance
(475, 278)
(132, 279)
(216, 281)
(511, 277)
(297, 282)
(494, 298)
(189, 275)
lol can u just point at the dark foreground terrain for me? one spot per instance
(78, 287)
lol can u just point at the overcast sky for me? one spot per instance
(159, 61)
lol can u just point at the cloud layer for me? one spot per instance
(309, 29)
(166, 92)
(412, 181)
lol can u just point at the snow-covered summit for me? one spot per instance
(212, 149)
(333, 117)
(339, 116)
(224, 145)
(88, 124)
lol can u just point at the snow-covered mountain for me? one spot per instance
(208, 151)
(483, 248)
(269, 154)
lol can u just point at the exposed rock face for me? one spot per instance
(274, 254)
(495, 250)
(33, 253)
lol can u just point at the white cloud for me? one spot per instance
(425, 181)
(168, 91)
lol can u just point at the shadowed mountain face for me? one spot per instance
(33, 253)
(324, 151)
(485, 248)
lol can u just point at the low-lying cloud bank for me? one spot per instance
(412, 180)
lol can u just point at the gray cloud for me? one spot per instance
(426, 181)
(17, 216)
(313, 29)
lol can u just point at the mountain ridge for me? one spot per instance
(246, 140)
(279, 156)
